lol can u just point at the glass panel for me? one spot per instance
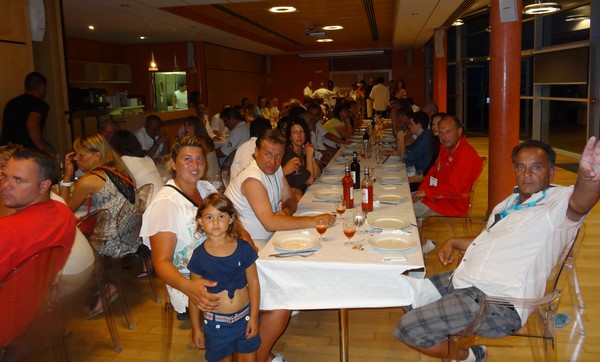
(429, 83)
(429, 54)
(568, 91)
(527, 35)
(451, 89)
(567, 26)
(165, 85)
(527, 76)
(526, 120)
(451, 44)
(477, 85)
(565, 123)
(477, 45)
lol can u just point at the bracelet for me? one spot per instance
(66, 183)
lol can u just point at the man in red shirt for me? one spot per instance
(38, 222)
(446, 188)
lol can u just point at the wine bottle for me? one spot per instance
(355, 170)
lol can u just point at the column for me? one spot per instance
(440, 67)
(505, 73)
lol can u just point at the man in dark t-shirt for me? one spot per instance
(25, 115)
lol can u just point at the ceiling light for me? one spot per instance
(282, 9)
(153, 67)
(142, 37)
(91, 27)
(350, 53)
(326, 40)
(577, 18)
(333, 27)
(538, 8)
(458, 22)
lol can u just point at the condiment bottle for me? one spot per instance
(367, 192)
(348, 191)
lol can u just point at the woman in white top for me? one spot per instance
(169, 225)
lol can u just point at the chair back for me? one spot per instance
(24, 291)
(93, 226)
(474, 185)
(129, 217)
(226, 168)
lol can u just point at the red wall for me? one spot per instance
(289, 74)
(410, 67)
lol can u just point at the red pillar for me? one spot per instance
(505, 75)
(440, 67)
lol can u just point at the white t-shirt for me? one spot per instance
(182, 99)
(147, 142)
(238, 135)
(307, 92)
(274, 186)
(514, 257)
(381, 97)
(217, 123)
(243, 157)
(169, 211)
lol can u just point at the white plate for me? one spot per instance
(391, 243)
(342, 160)
(391, 199)
(328, 194)
(312, 213)
(391, 180)
(295, 242)
(335, 169)
(387, 222)
(330, 179)
(392, 167)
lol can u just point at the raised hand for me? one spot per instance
(589, 166)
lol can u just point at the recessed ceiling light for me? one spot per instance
(333, 27)
(458, 22)
(577, 18)
(142, 37)
(539, 7)
(282, 9)
(91, 27)
(326, 40)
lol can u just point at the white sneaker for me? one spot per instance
(279, 358)
(428, 247)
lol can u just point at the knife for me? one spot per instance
(292, 253)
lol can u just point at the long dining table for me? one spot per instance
(369, 273)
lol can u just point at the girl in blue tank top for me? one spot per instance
(229, 261)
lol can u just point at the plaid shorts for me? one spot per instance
(431, 324)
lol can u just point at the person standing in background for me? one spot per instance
(25, 115)
(308, 90)
(380, 95)
(180, 97)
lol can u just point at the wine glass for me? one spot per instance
(340, 207)
(359, 217)
(321, 227)
(349, 231)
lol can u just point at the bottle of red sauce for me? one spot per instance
(348, 188)
(367, 192)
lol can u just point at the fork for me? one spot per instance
(288, 255)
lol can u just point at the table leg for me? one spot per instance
(343, 324)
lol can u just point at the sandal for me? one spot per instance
(99, 309)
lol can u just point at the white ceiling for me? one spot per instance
(123, 21)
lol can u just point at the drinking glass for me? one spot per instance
(340, 208)
(321, 227)
(359, 218)
(349, 231)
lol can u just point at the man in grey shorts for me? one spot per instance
(525, 234)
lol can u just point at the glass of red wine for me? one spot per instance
(340, 207)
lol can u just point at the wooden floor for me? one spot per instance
(312, 336)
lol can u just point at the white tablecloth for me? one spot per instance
(337, 276)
